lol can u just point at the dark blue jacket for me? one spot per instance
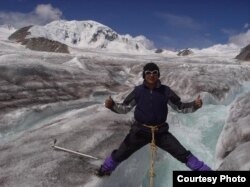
(151, 106)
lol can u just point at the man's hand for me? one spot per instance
(109, 102)
(198, 102)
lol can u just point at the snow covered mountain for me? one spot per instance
(90, 34)
(71, 36)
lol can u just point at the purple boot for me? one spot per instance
(196, 165)
(107, 167)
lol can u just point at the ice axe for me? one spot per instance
(55, 147)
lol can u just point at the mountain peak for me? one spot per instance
(89, 34)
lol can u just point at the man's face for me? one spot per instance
(151, 77)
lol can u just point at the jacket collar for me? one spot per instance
(158, 84)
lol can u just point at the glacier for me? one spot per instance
(46, 96)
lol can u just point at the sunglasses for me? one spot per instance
(155, 72)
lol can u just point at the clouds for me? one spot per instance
(190, 32)
(246, 25)
(228, 32)
(239, 36)
(242, 39)
(184, 31)
(42, 15)
(178, 21)
(47, 13)
(145, 42)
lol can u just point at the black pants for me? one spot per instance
(140, 136)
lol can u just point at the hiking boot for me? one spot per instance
(100, 172)
(107, 167)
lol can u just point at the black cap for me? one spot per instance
(150, 67)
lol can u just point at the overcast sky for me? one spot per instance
(170, 24)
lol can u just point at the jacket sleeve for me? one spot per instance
(175, 102)
(127, 105)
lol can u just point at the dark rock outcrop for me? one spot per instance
(158, 50)
(244, 54)
(20, 34)
(43, 44)
(38, 44)
(108, 35)
(185, 52)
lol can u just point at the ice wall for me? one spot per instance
(233, 147)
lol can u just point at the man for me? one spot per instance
(150, 100)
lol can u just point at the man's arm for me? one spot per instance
(122, 108)
(176, 104)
